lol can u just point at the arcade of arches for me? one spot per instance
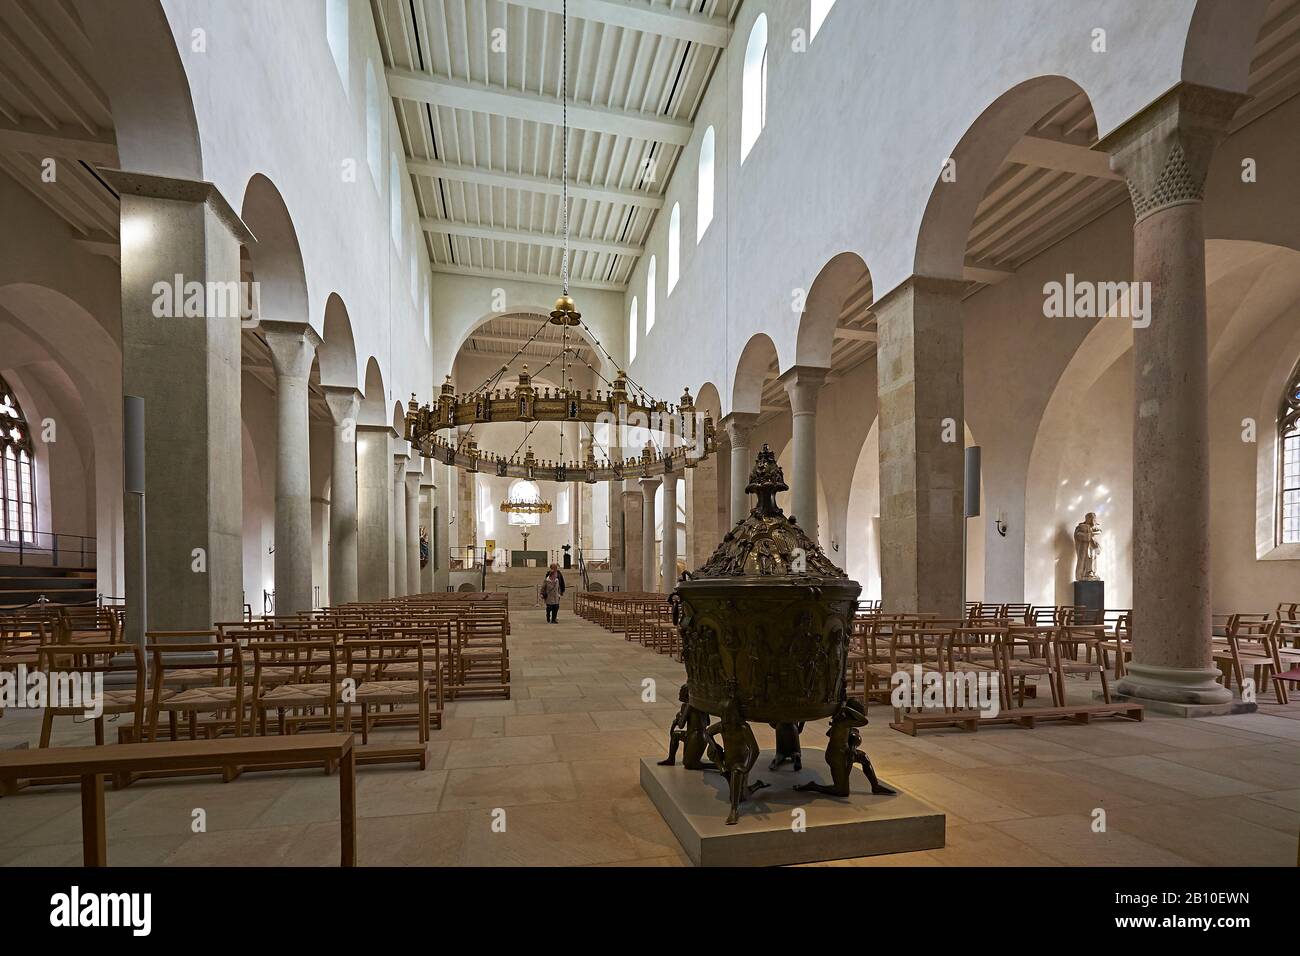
(225, 270)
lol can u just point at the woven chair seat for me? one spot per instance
(201, 698)
(114, 701)
(199, 677)
(296, 695)
(389, 692)
(273, 676)
(482, 651)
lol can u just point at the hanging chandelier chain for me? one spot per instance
(564, 148)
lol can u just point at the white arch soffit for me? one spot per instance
(538, 312)
(747, 377)
(338, 350)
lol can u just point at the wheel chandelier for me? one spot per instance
(687, 436)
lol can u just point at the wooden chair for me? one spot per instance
(1120, 643)
(976, 650)
(1026, 652)
(1252, 643)
(61, 664)
(482, 662)
(1065, 656)
(225, 695)
(312, 683)
(371, 669)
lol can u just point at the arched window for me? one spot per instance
(1288, 466)
(704, 198)
(817, 10)
(674, 246)
(650, 281)
(374, 131)
(336, 35)
(17, 472)
(631, 332)
(753, 102)
(524, 490)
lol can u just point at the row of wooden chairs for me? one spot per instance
(202, 674)
(644, 616)
(884, 645)
(1262, 647)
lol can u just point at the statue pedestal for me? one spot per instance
(1092, 595)
(694, 804)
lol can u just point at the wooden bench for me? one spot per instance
(92, 764)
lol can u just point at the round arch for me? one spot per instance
(1221, 42)
(140, 69)
(822, 308)
(752, 370)
(338, 351)
(89, 361)
(374, 402)
(276, 258)
(530, 311)
(962, 182)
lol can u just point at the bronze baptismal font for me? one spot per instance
(765, 627)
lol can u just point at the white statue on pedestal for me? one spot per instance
(1087, 545)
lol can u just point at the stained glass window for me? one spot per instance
(1288, 442)
(17, 476)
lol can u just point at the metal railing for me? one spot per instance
(51, 549)
(582, 570)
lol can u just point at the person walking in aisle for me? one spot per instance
(552, 589)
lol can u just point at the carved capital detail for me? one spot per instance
(1164, 151)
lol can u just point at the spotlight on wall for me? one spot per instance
(835, 545)
(1001, 523)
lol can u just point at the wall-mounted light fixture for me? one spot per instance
(1001, 523)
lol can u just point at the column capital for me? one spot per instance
(344, 402)
(913, 284)
(293, 346)
(738, 425)
(803, 383)
(649, 485)
(413, 482)
(1164, 151)
(388, 430)
(150, 186)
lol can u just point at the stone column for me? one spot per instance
(705, 512)
(669, 572)
(803, 384)
(344, 402)
(186, 368)
(374, 512)
(922, 441)
(412, 532)
(1164, 155)
(442, 527)
(648, 488)
(400, 565)
(738, 426)
(632, 534)
(428, 509)
(293, 345)
(617, 564)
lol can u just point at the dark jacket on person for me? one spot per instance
(559, 575)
